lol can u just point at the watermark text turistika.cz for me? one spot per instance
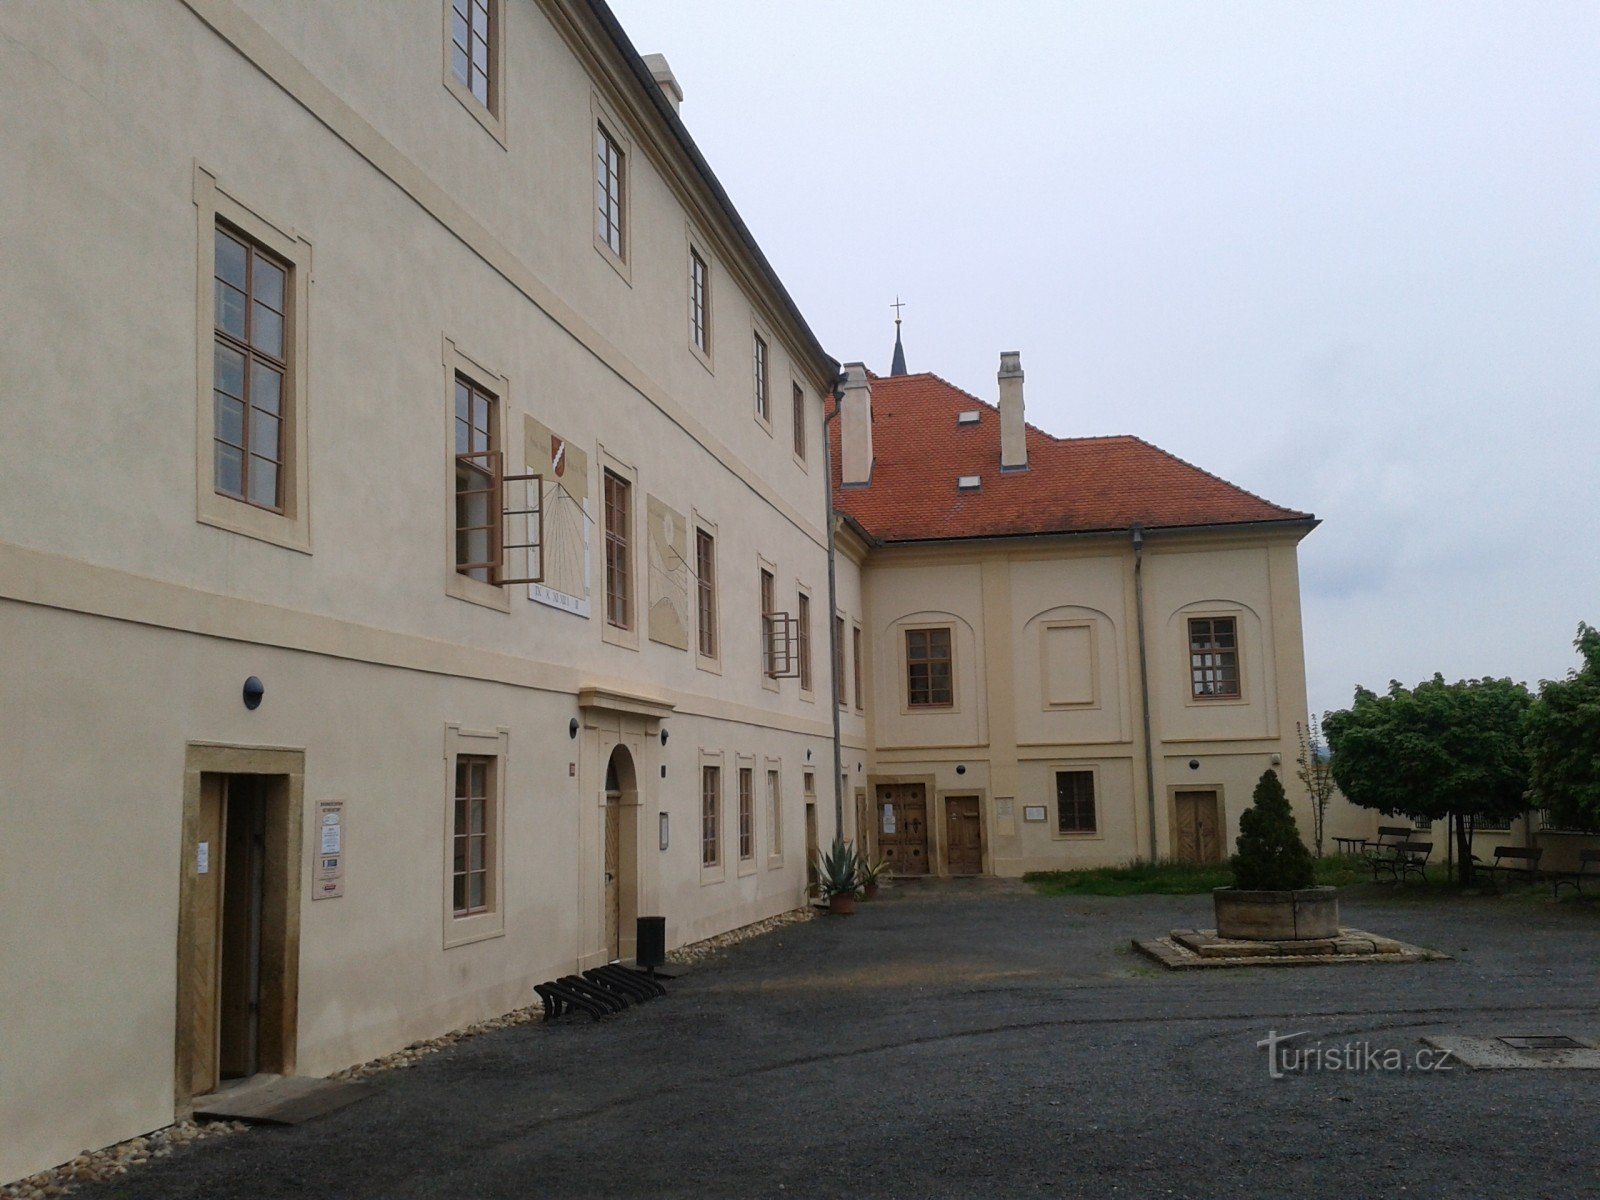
(1311, 1058)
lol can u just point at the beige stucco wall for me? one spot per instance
(130, 625)
(1020, 715)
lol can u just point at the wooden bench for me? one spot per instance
(1574, 879)
(1389, 836)
(1506, 859)
(1404, 858)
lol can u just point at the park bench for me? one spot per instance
(1574, 879)
(1506, 859)
(1389, 836)
(1403, 858)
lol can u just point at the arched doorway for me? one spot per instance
(621, 854)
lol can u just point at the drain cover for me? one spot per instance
(1559, 1041)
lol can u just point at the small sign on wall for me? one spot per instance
(888, 819)
(327, 879)
(1033, 812)
(664, 838)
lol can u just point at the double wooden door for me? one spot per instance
(963, 835)
(1199, 827)
(903, 827)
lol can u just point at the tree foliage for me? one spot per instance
(1271, 856)
(1437, 751)
(1563, 740)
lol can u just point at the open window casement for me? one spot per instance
(783, 642)
(500, 520)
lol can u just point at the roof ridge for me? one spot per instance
(994, 408)
(1213, 475)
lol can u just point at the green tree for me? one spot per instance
(1451, 751)
(1271, 857)
(1563, 727)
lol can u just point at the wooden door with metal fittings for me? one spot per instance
(903, 827)
(963, 835)
(1198, 817)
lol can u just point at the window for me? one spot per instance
(855, 651)
(619, 598)
(470, 879)
(1213, 658)
(609, 160)
(840, 685)
(250, 288)
(747, 814)
(477, 483)
(803, 640)
(699, 303)
(1075, 802)
(799, 423)
(762, 376)
(705, 570)
(929, 679)
(471, 41)
(710, 816)
(769, 627)
(775, 813)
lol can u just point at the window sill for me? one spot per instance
(615, 261)
(475, 591)
(711, 665)
(1058, 836)
(479, 927)
(493, 123)
(747, 867)
(710, 875)
(236, 516)
(617, 635)
(774, 862)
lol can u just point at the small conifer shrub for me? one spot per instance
(1271, 856)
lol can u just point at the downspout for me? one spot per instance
(1137, 532)
(834, 655)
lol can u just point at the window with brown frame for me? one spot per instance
(609, 166)
(774, 813)
(705, 569)
(747, 814)
(799, 422)
(699, 303)
(929, 675)
(1075, 802)
(762, 377)
(855, 650)
(803, 639)
(619, 582)
(710, 816)
(474, 818)
(769, 626)
(478, 501)
(1213, 658)
(471, 36)
(250, 369)
(841, 686)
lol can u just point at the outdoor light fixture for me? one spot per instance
(572, 728)
(254, 689)
(1194, 764)
(663, 737)
(961, 769)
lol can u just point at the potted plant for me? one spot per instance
(1272, 897)
(871, 874)
(836, 876)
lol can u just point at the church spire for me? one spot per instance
(898, 366)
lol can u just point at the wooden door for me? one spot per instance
(1199, 821)
(243, 877)
(963, 835)
(204, 933)
(811, 848)
(903, 827)
(613, 870)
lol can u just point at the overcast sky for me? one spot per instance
(1345, 255)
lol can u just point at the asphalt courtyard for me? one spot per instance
(962, 1040)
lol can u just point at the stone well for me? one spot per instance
(1277, 916)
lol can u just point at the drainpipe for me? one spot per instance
(1137, 532)
(834, 656)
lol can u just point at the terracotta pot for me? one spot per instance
(841, 904)
(1277, 916)
(870, 892)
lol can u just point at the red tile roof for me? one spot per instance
(1073, 485)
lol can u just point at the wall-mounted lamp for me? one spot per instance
(254, 689)
(1277, 760)
(961, 769)
(808, 756)
(663, 737)
(572, 728)
(1194, 764)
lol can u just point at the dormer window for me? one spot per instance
(971, 417)
(969, 483)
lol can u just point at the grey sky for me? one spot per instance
(1344, 255)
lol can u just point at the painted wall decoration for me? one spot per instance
(668, 546)
(567, 521)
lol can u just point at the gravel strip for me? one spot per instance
(696, 952)
(100, 1165)
(410, 1055)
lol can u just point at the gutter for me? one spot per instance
(1305, 523)
(1136, 532)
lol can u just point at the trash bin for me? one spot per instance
(651, 950)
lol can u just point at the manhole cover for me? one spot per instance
(1559, 1041)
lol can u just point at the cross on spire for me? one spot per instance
(898, 366)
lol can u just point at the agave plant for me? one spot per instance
(871, 872)
(837, 870)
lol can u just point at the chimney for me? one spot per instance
(665, 79)
(1013, 431)
(855, 426)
